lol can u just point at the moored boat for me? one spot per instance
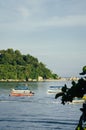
(55, 89)
(78, 100)
(21, 90)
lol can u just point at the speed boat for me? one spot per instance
(21, 90)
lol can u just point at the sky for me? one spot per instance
(54, 31)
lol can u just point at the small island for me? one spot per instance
(15, 66)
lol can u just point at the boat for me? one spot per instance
(21, 90)
(78, 100)
(55, 89)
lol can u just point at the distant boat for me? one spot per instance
(21, 90)
(55, 89)
(78, 100)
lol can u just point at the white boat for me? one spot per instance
(21, 90)
(78, 100)
(55, 89)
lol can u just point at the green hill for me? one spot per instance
(16, 66)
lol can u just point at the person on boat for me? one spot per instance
(82, 118)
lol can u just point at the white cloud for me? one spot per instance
(33, 15)
(24, 11)
(67, 21)
(32, 24)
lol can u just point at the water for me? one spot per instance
(39, 112)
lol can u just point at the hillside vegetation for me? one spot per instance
(16, 66)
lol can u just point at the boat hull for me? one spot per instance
(21, 94)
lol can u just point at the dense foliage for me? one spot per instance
(77, 89)
(14, 65)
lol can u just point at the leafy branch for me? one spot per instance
(77, 89)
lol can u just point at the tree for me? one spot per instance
(77, 90)
(84, 70)
(14, 65)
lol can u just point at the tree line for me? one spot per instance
(17, 66)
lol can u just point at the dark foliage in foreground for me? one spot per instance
(77, 89)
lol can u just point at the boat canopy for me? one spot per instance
(21, 88)
(55, 87)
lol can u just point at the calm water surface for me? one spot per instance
(39, 112)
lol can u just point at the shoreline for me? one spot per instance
(42, 80)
